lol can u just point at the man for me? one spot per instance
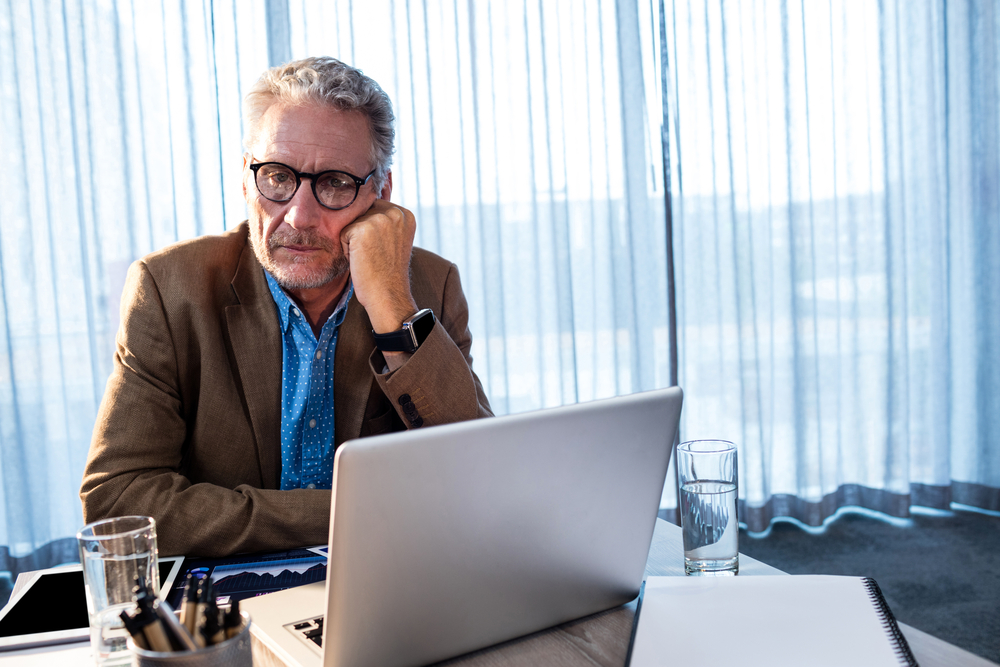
(244, 359)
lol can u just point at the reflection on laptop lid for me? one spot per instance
(452, 538)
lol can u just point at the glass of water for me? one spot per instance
(707, 473)
(113, 553)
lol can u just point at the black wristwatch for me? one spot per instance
(414, 332)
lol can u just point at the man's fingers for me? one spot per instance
(380, 213)
(378, 245)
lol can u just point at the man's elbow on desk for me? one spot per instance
(211, 521)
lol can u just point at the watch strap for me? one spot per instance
(410, 337)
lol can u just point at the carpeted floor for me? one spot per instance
(940, 572)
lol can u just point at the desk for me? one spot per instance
(598, 640)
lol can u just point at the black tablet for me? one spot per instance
(51, 608)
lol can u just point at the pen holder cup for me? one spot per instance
(234, 652)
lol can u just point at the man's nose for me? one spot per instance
(303, 209)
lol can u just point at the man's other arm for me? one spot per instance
(142, 447)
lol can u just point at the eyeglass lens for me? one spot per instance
(334, 189)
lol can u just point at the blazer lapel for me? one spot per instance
(255, 335)
(352, 376)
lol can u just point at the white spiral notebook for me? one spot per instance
(795, 620)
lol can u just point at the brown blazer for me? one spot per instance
(188, 431)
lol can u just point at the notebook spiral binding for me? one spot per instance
(899, 643)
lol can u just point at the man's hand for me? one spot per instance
(378, 245)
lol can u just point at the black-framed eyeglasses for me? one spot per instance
(333, 189)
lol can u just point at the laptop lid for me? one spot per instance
(449, 539)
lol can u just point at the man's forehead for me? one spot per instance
(313, 133)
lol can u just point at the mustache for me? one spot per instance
(297, 237)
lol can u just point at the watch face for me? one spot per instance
(422, 326)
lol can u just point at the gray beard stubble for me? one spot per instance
(317, 276)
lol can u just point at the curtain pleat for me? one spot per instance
(831, 234)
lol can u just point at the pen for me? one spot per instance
(189, 608)
(180, 638)
(211, 631)
(155, 627)
(205, 595)
(135, 630)
(149, 623)
(232, 620)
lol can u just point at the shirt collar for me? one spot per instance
(286, 305)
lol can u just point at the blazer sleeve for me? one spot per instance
(137, 462)
(437, 385)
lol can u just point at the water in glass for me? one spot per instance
(711, 528)
(104, 573)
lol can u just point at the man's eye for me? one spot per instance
(334, 181)
(280, 177)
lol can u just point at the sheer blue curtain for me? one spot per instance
(528, 147)
(834, 187)
(111, 146)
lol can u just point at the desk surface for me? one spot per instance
(600, 640)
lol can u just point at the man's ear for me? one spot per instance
(246, 161)
(387, 188)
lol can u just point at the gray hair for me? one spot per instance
(326, 81)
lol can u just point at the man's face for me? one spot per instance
(298, 241)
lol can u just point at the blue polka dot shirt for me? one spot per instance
(306, 392)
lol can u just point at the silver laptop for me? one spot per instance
(449, 539)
